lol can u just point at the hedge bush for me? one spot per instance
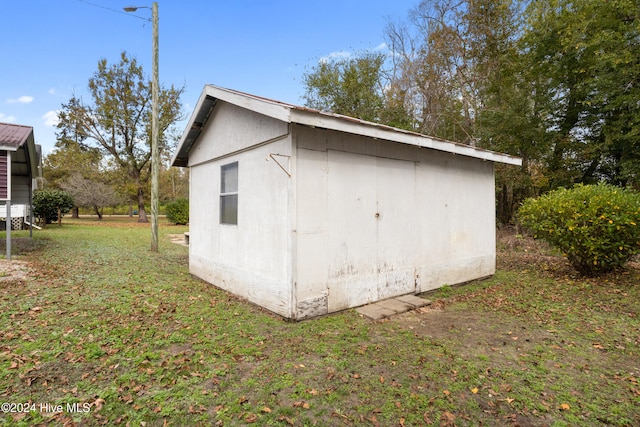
(178, 211)
(47, 203)
(596, 226)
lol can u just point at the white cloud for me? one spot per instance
(52, 91)
(7, 119)
(341, 54)
(51, 118)
(22, 100)
(381, 46)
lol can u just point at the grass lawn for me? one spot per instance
(100, 331)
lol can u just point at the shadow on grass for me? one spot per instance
(21, 245)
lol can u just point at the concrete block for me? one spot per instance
(414, 300)
(395, 305)
(375, 311)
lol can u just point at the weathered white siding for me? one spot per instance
(378, 219)
(249, 259)
(20, 190)
(333, 212)
(457, 201)
(235, 129)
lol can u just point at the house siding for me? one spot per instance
(236, 129)
(384, 219)
(4, 178)
(249, 259)
(20, 190)
(457, 204)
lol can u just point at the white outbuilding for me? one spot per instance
(306, 212)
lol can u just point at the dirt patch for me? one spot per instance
(13, 270)
(477, 334)
(22, 245)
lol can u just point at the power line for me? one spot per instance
(114, 10)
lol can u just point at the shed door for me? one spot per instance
(371, 241)
(397, 236)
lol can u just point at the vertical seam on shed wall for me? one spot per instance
(293, 234)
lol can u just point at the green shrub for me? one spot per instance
(47, 204)
(178, 211)
(596, 226)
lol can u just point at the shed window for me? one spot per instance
(229, 194)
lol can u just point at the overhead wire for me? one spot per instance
(115, 10)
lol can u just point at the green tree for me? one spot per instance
(174, 184)
(507, 118)
(68, 158)
(350, 86)
(118, 121)
(51, 204)
(587, 56)
(72, 161)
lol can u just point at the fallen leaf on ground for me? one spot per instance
(286, 419)
(447, 419)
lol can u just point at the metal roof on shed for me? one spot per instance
(13, 136)
(290, 113)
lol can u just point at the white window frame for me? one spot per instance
(227, 194)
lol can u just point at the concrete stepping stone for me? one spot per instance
(389, 307)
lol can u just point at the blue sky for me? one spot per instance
(51, 48)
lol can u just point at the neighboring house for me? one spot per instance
(20, 168)
(306, 212)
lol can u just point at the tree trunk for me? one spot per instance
(74, 212)
(142, 214)
(59, 217)
(98, 212)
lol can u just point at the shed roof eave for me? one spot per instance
(192, 131)
(374, 130)
(207, 101)
(289, 113)
(268, 107)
